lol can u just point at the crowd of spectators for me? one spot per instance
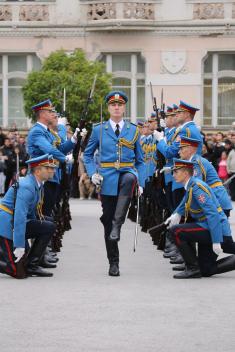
(11, 145)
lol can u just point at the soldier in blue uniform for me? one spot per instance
(23, 209)
(186, 127)
(204, 170)
(41, 140)
(121, 167)
(210, 228)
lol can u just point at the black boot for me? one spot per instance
(35, 255)
(114, 269)
(119, 217)
(170, 254)
(225, 264)
(44, 263)
(191, 265)
(178, 259)
(180, 267)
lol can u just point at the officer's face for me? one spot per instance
(51, 172)
(49, 116)
(153, 125)
(180, 175)
(116, 110)
(46, 173)
(186, 152)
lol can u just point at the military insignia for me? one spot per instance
(116, 96)
(201, 198)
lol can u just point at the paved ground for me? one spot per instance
(82, 309)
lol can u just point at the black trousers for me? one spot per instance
(192, 233)
(35, 229)
(51, 191)
(126, 185)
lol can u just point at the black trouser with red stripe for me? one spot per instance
(39, 230)
(126, 185)
(192, 233)
(185, 237)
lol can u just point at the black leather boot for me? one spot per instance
(44, 263)
(119, 217)
(225, 264)
(35, 255)
(192, 269)
(170, 254)
(114, 269)
(178, 259)
(180, 267)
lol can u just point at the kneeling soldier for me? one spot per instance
(20, 208)
(210, 229)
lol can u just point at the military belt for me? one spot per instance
(116, 165)
(7, 210)
(204, 217)
(216, 184)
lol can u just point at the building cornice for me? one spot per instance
(127, 27)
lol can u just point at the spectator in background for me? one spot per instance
(218, 149)
(7, 151)
(231, 172)
(2, 137)
(222, 167)
(2, 173)
(228, 145)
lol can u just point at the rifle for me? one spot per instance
(21, 265)
(82, 141)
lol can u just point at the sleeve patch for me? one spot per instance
(201, 198)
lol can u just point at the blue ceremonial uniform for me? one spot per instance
(118, 155)
(150, 158)
(202, 205)
(25, 210)
(40, 141)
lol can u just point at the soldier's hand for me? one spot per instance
(75, 135)
(69, 158)
(158, 135)
(162, 123)
(174, 219)
(217, 248)
(97, 179)
(83, 133)
(18, 253)
(140, 190)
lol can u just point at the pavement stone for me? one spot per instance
(144, 310)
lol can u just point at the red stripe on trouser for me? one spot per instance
(10, 257)
(193, 229)
(133, 187)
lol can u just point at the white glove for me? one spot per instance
(69, 158)
(18, 253)
(83, 133)
(174, 219)
(166, 170)
(97, 179)
(217, 248)
(162, 123)
(75, 135)
(141, 190)
(158, 135)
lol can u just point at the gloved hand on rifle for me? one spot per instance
(158, 135)
(174, 219)
(83, 133)
(162, 123)
(74, 137)
(97, 179)
(69, 159)
(140, 190)
(18, 253)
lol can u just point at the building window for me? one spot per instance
(13, 72)
(219, 89)
(128, 71)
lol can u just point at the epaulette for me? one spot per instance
(98, 123)
(203, 188)
(134, 124)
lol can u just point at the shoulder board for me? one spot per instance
(132, 123)
(98, 123)
(203, 188)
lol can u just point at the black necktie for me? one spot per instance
(117, 131)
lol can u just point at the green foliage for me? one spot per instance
(74, 73)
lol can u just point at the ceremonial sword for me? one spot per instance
(137, 220)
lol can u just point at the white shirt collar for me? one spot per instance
(42, 124)
(191, 158)
(186, 184)
(113, 124)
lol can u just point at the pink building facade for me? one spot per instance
(186, 47)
